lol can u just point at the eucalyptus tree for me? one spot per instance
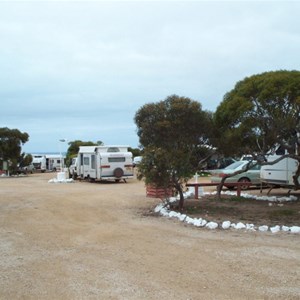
(74, 148)
(11, 142)
(174, 134)
(262, 111)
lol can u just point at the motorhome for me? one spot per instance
(48, 162)
(39, 162)
(54, 162)
(280, 173)
(104, 163)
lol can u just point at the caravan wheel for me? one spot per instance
(118, 172)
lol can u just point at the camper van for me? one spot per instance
(280, 173)
(104, 163)
(54, 162)
(39, 162)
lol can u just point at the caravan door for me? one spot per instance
(88, 165)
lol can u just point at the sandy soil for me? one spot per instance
(92, 241)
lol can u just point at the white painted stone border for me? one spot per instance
(163, 209)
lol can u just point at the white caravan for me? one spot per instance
(54, 162)
(39, 162)
(280, 173)
(104, 163)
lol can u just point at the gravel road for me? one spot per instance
(93, 241)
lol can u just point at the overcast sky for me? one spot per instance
(80, 70)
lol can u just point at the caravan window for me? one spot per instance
(280, 151)
(86, 161)
(93, 162)
(113, 149)
(116, 159)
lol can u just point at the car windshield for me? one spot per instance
(235, 165)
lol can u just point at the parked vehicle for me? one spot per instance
(54, 162)
(219, 163)
(104, 163)
(137, 160)
(27, 169)
(48, 162)
(39, 162)
(73, 168)
(251, 176)
(247, 157)
(280, 173)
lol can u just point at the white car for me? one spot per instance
(137, 160)
(251, 176)
(27, 169)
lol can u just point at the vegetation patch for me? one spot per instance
(239, 209)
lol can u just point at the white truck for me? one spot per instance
(104, 163)
(280, 173)
(39, 162)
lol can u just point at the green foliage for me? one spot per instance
(174, 122)
(173, 134)
(135, 151)
(74, 148)
(261, 111)
(155, 168)
(25, 160)
(283, 212)
(11, 141)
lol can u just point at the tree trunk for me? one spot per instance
(181, 199)
(296, 177)
(178, 188)
(219, 190)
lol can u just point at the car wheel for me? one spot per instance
(246, 180)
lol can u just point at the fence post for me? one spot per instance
(238, 190)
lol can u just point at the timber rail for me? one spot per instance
(238, 186)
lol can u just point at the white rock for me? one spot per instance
(203, 222)
(295, 229)
(173, 214)
(158, 208)
(226, 224)
(250, 227)
(263, 228)
(55, 180)
(212, 225)
(164, 212)
(240, 226)
(275, 229)
(285, 228)
(189, 220)
(181, 217)
(172, 199)
(197, 222)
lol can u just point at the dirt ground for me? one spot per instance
(94, 241)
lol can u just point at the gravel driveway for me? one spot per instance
(92, 241)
